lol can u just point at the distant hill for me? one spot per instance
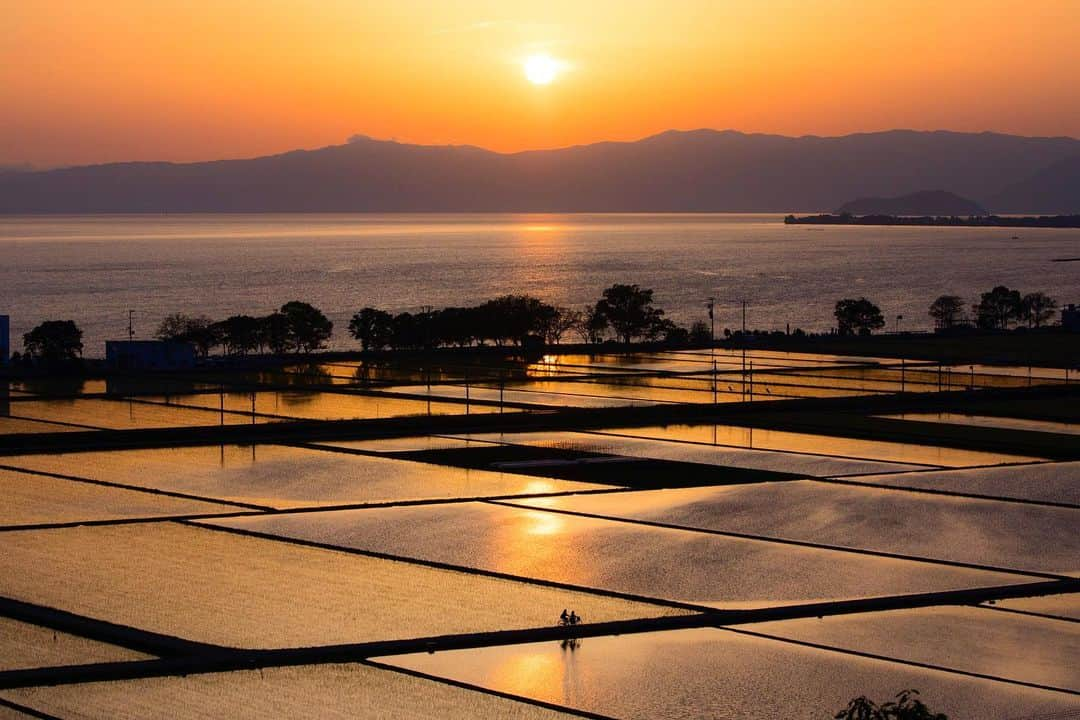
(700, 171)
(926, 202)
(1051, 190)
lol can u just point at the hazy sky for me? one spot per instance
(89, 81)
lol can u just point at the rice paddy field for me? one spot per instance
(363, 539)
(24, 645)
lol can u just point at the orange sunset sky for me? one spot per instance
(84, 81)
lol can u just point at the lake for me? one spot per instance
(93, 269)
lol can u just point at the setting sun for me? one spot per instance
(541, 69)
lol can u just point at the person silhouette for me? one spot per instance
(564, 619)
(574, 618)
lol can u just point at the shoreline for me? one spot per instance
(986, 221)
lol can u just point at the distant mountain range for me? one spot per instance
(675, 171)
(926, 202)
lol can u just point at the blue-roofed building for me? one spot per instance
(5, 339)
(1070, 318)
(149, 355)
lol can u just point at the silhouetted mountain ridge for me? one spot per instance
(1046, 191)
(674, 171)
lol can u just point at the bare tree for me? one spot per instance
(1037, 308)
(947, 311)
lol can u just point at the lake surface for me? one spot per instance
(93, 269)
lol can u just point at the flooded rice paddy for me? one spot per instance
(960, 530)
(718, 674)
(396, 514)
(282, 477)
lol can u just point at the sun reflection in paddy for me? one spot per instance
(537, 675)
(544, 523)
(536, 487)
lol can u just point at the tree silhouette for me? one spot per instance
(593, 325)
(947, 311)
(372, 327)
(700, 334)
(858, 316)
(906, 706)
(561, 322)
(173, 326)
(513, 318)
(54, 341)
(669, 332)
(997, 308)
(629, 311)
(307, 328)
(274, 333)
(861, 708)
(1037, 308)
(239, 334)
(199, 330)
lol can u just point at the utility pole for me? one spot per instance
(744, 317)
(712, 343)
(131, 325)
(711, 305)
(426, 309)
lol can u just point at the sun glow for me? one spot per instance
(541, 69)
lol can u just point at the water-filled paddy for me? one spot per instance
(31, 499)
(972, 639)
(1049, 482)
(403, 444)
(985, 532)
(679, 565)
(1064, 606)
(29, 646)
(992, 422)
(121, 414)
(718, 674)
(281, 477)
(305, 404)
(538, 393)
(607, 443)
(8, 713)
(12, 426)
(225, 588)
(821, 444)
(300, 693)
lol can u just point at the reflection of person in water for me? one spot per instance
(570, 644)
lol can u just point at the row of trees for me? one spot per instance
(627, 311)
(297, 327)
(997, 309)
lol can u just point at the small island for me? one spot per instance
(1004, 221)
(928, 207)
